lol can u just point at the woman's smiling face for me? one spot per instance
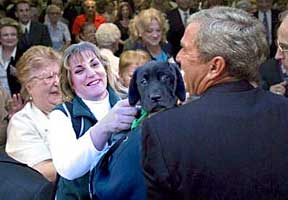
(88, 76)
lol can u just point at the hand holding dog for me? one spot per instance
(118, 119)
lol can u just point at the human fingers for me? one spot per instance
(124, 108)
(283, 83)
(278, 89)
(123, 103)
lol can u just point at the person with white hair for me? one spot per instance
(107, 37)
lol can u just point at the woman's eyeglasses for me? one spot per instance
(47, 77)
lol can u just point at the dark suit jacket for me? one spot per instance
(20, 182)
(38, 35)
(176, 30)
(271, 73)
(229, 144)
(13, 82)
(275, 24)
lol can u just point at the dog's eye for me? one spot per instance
(144, 81)
(164, 77)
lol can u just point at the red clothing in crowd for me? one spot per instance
(81, 19)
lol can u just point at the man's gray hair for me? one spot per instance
(234, 35)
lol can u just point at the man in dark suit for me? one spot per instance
(274, 72)
(231, 143)
(177, 19)
(270, 20)
(35, 33)
(20, 182)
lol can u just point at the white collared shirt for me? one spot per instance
(3, 69)
(27, 135)
(26, 26)
(269, 19)
(182, 14)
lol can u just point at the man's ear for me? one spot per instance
(133, 94)
(217, 68)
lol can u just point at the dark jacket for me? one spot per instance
(230, 144)
(118, 175)
(274, 25)
(271, 74)
(166, 47)
(176, 30)
(20, 182)
(13, 82)
(38, 35)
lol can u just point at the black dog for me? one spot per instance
(157, 85)
(118, 175)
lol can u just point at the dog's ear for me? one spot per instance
(180, 86)
(133, 94)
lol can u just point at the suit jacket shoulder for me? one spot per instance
(20, 182)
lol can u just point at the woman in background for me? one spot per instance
(10, 32)
(148, 32)
(59, 32)
(124, 15)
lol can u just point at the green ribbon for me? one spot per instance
(138, 121)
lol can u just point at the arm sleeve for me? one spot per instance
(67, 35)
(25, 142)
(72, 157)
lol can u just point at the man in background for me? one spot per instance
(35, 33)
(274, 72)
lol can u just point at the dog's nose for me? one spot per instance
(155, 97)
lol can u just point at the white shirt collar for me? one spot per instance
(24, 26)
(182, 14)
(2, 62)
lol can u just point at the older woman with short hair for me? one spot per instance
(59, 32)
(108, 36)
(27, 142)
(10, 32)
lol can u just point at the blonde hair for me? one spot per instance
(77, 50)
(142, 21)
(127, 58)
(53, 7)
(34, 58)
(7, 21)
(132, 57)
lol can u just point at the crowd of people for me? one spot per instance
(65, 70)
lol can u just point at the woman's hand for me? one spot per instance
(15, 104)
(118, 119)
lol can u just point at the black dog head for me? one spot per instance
(157, 85)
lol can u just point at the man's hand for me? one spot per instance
(279, 88)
